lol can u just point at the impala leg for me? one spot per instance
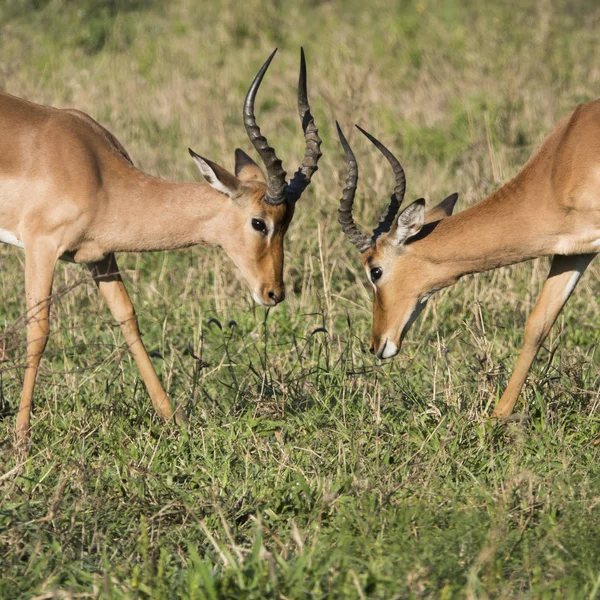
(40, 260)
(564, 274)
(108, 279)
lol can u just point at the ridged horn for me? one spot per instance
(276, 177)
(307, 168)
(387, 219)
(349, 227)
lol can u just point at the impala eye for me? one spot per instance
(376, 274)
(259, 225)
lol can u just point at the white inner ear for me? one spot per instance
(403, 232)
(211, 178)
(410, 222)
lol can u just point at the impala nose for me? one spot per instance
(277, 298)
(269, 296)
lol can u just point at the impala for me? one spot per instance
(68, 190)
(551, 207)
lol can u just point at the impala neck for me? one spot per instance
(505, 228)
(158, 215)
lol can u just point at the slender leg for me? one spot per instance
(40, 260)
(564, 274)
(108, 279)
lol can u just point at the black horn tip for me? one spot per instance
(375, 141)
(344, 142)
(268, 61)
(394, 162)
(390, 157)
(193, 154)
(302, 88)
(265, 66)
(249, 103)
(366, 133)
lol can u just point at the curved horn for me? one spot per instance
(276, 180)
(313, 152)
(355, 235)
(389, 215)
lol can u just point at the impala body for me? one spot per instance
(65, 176)
(551, 207)
(68, 190)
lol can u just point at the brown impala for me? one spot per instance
(551, 207)
(68, 190)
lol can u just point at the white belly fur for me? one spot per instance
(582, 243)
(10, 238)
(572, 283)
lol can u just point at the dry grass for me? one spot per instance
(310, 470)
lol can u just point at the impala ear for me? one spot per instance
(221, 179)
(444, 209)
(409, 222)
(246, 169)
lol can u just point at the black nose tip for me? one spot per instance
(276, 299)
(372, 349)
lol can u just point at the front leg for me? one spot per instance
(564, 274)
(108, 279)
(40, 261)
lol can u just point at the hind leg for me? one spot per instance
(108, 279)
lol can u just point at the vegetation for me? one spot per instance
(310, 469)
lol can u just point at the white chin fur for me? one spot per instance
(390, 350)
(257, 298)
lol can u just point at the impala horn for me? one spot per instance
(278, 190)
(387, 219)
(313, 153)
(276, 180)
(349, 227)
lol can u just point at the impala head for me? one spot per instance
(262, 206)
(402, 280)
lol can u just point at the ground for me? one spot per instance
(310, 469)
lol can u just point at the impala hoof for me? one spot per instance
(22, 445)
(520, 418)
(181, 419)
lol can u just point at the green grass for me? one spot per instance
(310, 470)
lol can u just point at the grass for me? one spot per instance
(310, 470)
